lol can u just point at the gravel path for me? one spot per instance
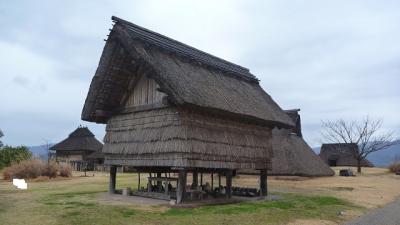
(388, 215)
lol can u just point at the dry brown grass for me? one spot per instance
(374, 187)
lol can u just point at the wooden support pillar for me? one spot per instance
(138, 185)
(263, 183)
(113, 175)
(159, 183)
(219, 179)
(149, 184)
(201, 178)
(212, 181)
(195, 181)
(181, 187)
(228, 191)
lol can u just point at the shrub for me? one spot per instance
(31, 169)
(65, 170)
(10, 155)
(8, 173)
(27, 169)
(51, 170)
(394, 167)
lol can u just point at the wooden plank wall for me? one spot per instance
(145, 92)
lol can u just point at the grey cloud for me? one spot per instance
(332, 59)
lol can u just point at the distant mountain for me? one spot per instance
(39, 151)
(381, 158)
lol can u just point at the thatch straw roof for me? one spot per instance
(341, 154)
(82, 139)
(96, 155)
(292, 155)
(295, 116)
(189, 78)
(181, 138)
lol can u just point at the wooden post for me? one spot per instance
(166, 187)
(212, 181)
(219, 179)
(195, 181)
(113, 174)
(159, 182)
(138, 185)
(263, 183)
(201, 178)
(180, 190)
(228, 190)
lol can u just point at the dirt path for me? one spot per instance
(388, 215)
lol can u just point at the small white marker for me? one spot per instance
(20, 184)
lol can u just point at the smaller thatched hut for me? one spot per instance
(79, 150)
(292, 155)
(342, 154)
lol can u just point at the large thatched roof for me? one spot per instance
(79, 140)
(341, 154)
(189, 77)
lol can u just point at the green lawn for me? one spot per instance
(75, 201)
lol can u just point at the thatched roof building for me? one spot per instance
(292, 155)
(77, 147)
(295, 116)
(171, 107)
(341, 154)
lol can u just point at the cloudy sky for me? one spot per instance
(331, 59)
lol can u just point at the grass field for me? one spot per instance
(77, 201)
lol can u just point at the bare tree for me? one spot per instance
(47, 145)
(365, 133)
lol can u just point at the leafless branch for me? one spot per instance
(365, 133)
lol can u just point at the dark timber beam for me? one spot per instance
(138, 185)
(212, 181)
(228, 192)
(113, 175)
(195, 181)
(263, 183)
(181, 188)
(159, 183)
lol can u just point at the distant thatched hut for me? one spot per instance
(292, 155)
(172, 108)
(342, 154)
(76, 149)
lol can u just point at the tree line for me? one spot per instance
(10, 155)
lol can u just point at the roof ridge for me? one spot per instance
(81, 132)
(183, 49)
